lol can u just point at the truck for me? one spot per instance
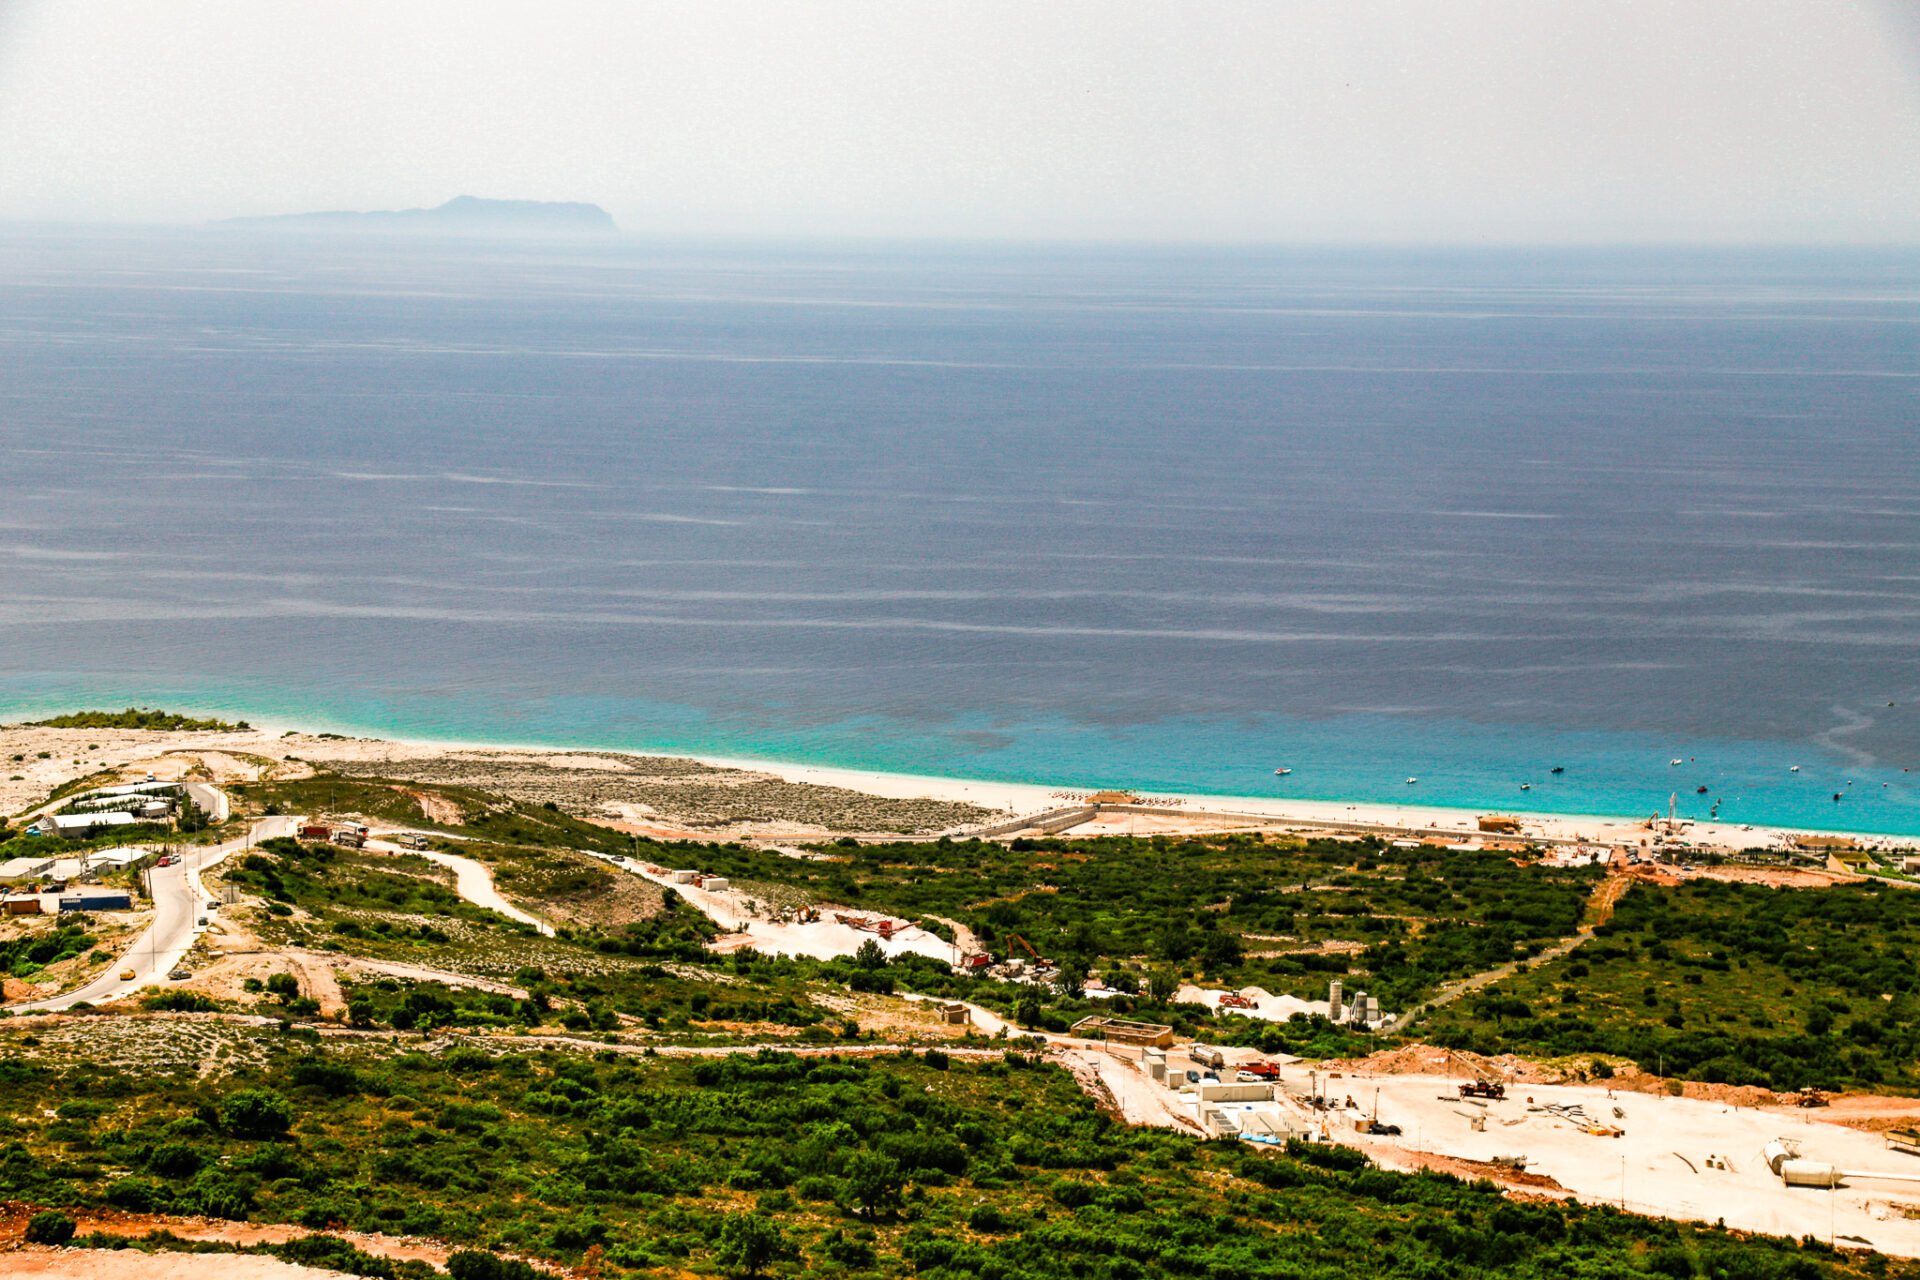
(414, 840)
(1205, 1055)
(1483, 1089)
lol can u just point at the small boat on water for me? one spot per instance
(1526, 786)
(1700, 790)
(1675, 760)
(1411, 781)
(1282, 772)
(1559, 768)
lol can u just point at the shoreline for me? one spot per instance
(1011, 798)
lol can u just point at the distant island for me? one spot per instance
(460, 216)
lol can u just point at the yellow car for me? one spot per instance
(126, 975)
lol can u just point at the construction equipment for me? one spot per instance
(1238, 1000)
(869, 924)
(1810, 1097)
(1483, 1089)
(1261, 1070)
(806, 915)
(1027, 947)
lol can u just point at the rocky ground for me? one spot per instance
(703, 797)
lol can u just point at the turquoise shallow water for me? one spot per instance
(1353, 759)
(1071, 517)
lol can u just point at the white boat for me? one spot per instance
(1794, 769)
(1411, 781)
(1525, 786)
(1282, 772)
(1675, 760)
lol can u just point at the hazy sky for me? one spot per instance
(1279, 120)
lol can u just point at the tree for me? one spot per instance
(748, 1242)
(256, 1113)
(1161, 984)
(1027, 1012)
(870, 956)
(49, 1228)
(873, 1182)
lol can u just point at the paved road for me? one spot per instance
(179, 902)
(211, 799)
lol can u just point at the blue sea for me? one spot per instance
(1165, 519)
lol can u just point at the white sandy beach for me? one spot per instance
(243, 755)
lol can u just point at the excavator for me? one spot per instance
(1027, 947)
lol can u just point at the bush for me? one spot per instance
(49, 1227)
(179, 1002)
(471, 1264)
(260, 1114)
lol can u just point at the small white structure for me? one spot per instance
(118, 859)
(1238, 1092)
(78, 826)
(16, 870)
(682, 877)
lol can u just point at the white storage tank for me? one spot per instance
(1809, 1173)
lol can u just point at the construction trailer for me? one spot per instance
(683, 877)
(97, 900)
(715, 884)
(1143, 1035)
(955, 1014)
(24, 905)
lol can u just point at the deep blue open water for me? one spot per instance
(1099, 516)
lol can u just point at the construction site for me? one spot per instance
(1794, 1166)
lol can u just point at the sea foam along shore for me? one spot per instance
(269, 739)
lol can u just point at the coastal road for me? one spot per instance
(211, 799)
(179, 901)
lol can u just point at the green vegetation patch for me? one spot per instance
(937, 1164)
(1731, 983)
(136, 718)
(1422, 915)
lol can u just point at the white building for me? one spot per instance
(17, 870)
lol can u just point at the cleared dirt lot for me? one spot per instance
(1661, 1164)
